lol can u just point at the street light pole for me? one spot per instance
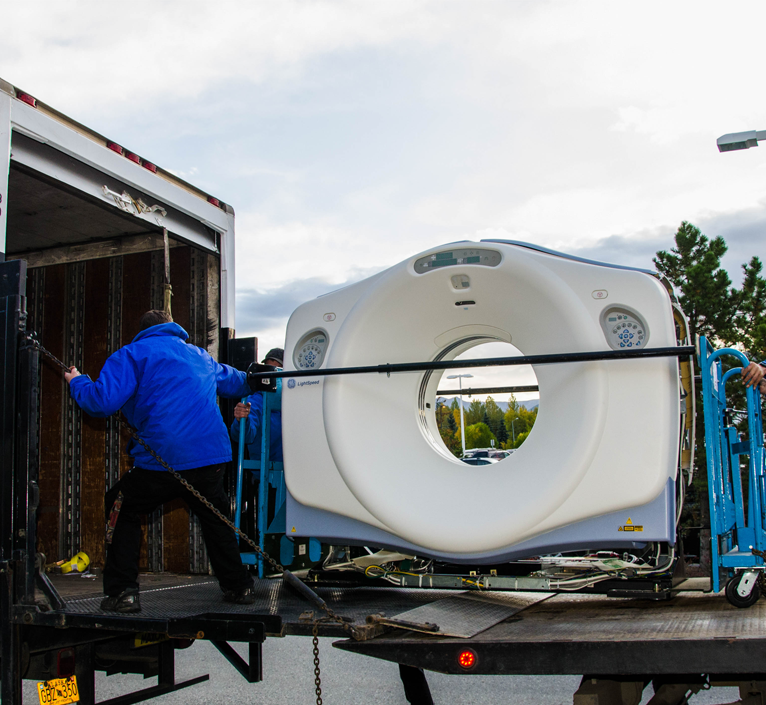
(459, 379)
(740, 140)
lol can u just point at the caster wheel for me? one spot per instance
(738, 600)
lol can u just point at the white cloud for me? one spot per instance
(78, 57)
(350, 135)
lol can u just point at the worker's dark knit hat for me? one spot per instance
(275, 354)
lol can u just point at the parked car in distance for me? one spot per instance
(480, 461)
(500, 454)
(477, 453)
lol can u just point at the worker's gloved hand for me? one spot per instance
(242, 411)
(69, 376)
(753, 375)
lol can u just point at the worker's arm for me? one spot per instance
(114, 386)
(231, 383)
(752, 375)
(252, 413)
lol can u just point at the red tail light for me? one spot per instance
(26, 98)
(115, 147)
(133, 157)
(214, 201)
(467, 659)
(65, 664)
(151, 167)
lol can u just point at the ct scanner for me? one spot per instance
(364, 462)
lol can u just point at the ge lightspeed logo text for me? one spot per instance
(291, 383)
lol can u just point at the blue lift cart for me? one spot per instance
(737, 499)
(270, 496)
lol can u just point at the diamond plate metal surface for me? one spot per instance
(198, 595)
(471, 613)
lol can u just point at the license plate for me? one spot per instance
(58, 691)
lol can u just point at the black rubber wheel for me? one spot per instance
(735, 598)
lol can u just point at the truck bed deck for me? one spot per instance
(693, 633)
(547, 634)
(168, 598)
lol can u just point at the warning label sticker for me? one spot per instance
(630, 526)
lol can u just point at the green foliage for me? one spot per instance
(485, 422)
(750, 319)
(519, 439)
(474, 413)
(493, 417)
(518, 423)
(478, 435)
(693, 266)
(448, 429)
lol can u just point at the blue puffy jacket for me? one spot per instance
(167, 391)
(254, 428)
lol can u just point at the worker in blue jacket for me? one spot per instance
(167, 391)
(252, 411)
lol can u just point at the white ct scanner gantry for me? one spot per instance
(364, 462)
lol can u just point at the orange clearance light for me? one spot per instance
(467, 659)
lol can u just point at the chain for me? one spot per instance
(32, 339)
(317, 676)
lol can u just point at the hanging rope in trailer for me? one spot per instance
(304, 590)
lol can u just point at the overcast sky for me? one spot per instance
(349, 136)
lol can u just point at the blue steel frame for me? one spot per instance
(275, 477)
(733, 536)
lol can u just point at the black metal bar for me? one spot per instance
(71, 449)
(10, 640)
(27, 492)
(416, 688)
(156, 690)
(85, 672)
(255, 653)
(252, 672)
(12, 290)
(303, 590)
(45, 586)
(598, 355)
(469, 391)
(167, 664)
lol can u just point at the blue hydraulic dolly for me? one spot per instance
(736, 507)
(269, 506)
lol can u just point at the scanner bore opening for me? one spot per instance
(511, 415)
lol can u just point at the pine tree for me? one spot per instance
(750, 320)
(693, 266)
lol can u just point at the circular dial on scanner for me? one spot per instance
(310, 351)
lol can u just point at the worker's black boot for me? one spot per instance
(243, 596)
(126, 602)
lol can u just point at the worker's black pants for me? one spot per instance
(145, 490)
